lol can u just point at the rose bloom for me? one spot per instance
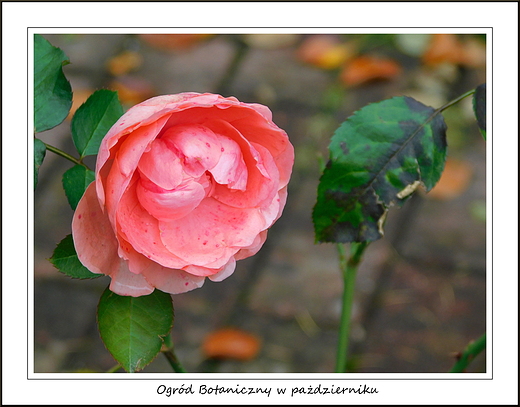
(185, 185)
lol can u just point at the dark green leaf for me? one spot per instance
(66, 260)
(75, 182)
(52, 91)
(479, 107)
(39, 155)
(93, 119)
(133, 328)
(378, 157)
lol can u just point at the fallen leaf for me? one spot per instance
(452, 49)
(231, 343)
(132, 90)
(325, 51)
(454, 181)
(124, 63)
(173, 42)
(367, 68)
(474, 54)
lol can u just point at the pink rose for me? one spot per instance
(185, 185)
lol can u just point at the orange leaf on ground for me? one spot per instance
(132, 90)
(454, 180)
(172, 42)
(368, 68)
(443, 48)
(124, 62)
(231, 343)
(325, 51)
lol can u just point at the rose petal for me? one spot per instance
(231, 169)
(225, 271)
(124, 282)
(253, 248)
(149, 111)
(259, 130)
(262, 181)
(141, 230)
(123, 166)
(173, 281)
(212, 233)
(94, 238)
(161, 165)
(199, 146)
(169, 205)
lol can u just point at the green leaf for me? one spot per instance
(39, 155)
(66, 260)
(378, 157)
(75, 182)
(479, 107)
(93, 119)
(52, 91)
(133, 328)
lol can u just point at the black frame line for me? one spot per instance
(187, 377)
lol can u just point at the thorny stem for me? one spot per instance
(349, 269)
(169, 353)
(471, 351)
(62, 153)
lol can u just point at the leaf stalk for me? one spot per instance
(63, 154)
(169, 353)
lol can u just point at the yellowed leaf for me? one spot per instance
(367, 68)
(124, 63)
(231, 343)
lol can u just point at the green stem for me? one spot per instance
(114, 369)
(349, 269)
(457, 100)
(62, 153)
(471, 351)
(169, 353)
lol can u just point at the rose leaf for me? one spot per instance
(39, 155)
(378, 157)
(93, 119)
(75, 181)
(65, 259)
(479, 107)
(133, 328)
(52, 90)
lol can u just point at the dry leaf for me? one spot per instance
(132, 90)
(325, 51)
(454, 181)
(443, 48)
(474, 53)
(368, 68)
(124, 63)
(173, 42)
(231, 343)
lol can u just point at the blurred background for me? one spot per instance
(421, 290)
